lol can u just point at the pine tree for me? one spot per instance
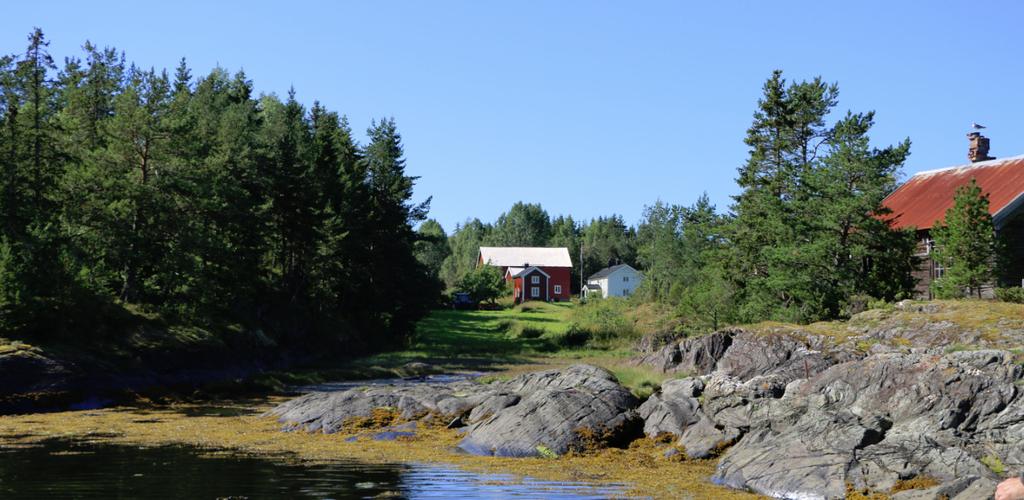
(399, 290)
(431, 246)
(849, 234)
(965, 245)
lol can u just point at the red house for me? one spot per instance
(536, 273)
(924, 199)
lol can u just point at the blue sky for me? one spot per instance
(587, 107)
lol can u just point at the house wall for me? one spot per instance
(925, 272)
(1012, 234)
(561, 276)
(622, 283)
(614, 286)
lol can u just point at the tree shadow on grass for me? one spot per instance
(464, 341)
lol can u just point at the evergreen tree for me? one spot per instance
(608, 241)
(809, 229)
(432, 246)
(399, 289)
(965, 245)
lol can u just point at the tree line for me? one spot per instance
(805, 239)
(199, 200)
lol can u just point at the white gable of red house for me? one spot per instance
(536, 273)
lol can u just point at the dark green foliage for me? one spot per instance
(607, 241)
(484, 284)
(809, 229)
(965, 245)
(524, 225)
(464, 245)
(432, 246)
(1011, 294)
(683, 251)
(194, 200)
(565, 232)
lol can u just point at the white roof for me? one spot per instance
(526, 256)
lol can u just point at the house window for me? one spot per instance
(558, 289)
(929, 246)
(940, 271)
(535, 291)
(535, 279)
(625, 279)
(625, 292)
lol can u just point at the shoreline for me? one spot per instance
(240, 427)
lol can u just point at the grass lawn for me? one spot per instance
(479, 341)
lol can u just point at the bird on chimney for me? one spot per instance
(977, 126)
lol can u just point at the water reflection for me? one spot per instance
(63, 469)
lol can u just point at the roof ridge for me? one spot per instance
(986, 163)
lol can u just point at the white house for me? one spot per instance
(615, 281)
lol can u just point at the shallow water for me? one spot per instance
(70, 469)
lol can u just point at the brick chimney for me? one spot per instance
(978, 150)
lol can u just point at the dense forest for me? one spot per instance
(806, 239)
(195, 199)
(199, 201)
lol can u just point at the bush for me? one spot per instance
(574, 336)
(519, 330)
(606, 322)
(1012, 294)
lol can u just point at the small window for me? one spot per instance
(535, 291)
(625, 292)
(940, 271)
(929, 246)
(535, 279)
(558, 289)
(625, 279)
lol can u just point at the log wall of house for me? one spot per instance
(925, 272)
(1012, 235)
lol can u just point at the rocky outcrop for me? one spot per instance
(540, 413)
(796, 419)
(559, 411)
(789, 414)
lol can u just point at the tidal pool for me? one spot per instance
(85, 470)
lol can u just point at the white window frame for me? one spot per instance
(534, 291)
(558, 289)
(535, 280)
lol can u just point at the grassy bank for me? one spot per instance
(510, 341)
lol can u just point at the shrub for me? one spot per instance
(522, 331)
(1012, 294)
(574, 336)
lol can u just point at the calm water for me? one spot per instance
(63, 469)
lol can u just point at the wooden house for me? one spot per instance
(923, 200)
(535, 273)
(614, 281)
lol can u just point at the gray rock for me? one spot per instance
(556, 415)
(554, 410)
(329, 411)
(673, 408)
(870, 423)
(694, 356)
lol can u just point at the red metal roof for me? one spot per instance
(926, 196)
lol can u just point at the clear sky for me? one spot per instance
(587, 107)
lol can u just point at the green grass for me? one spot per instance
(490, 341)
